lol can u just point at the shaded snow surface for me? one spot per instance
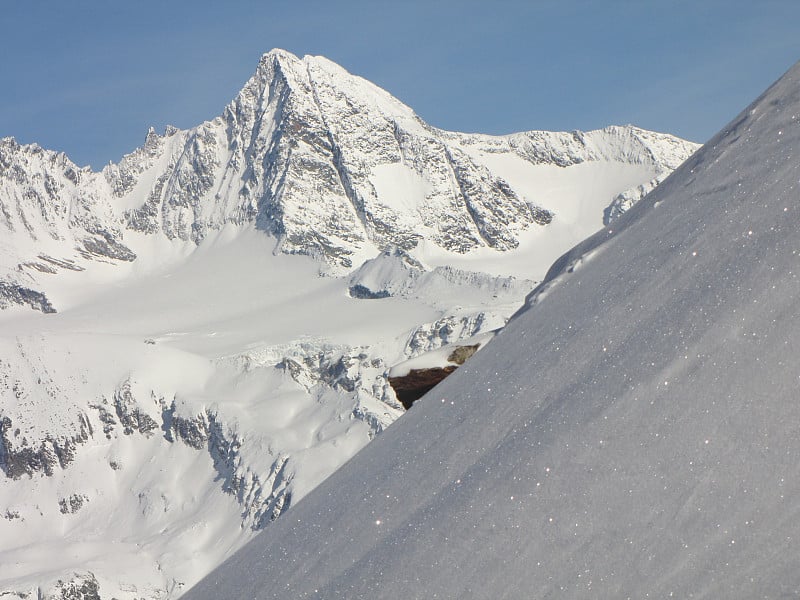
(633, 432)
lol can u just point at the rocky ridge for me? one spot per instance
(324, 161)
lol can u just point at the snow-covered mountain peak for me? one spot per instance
(17, 153)
(310, 71)
(280, 55)
(198, 376)
(334, 167)
(274, 64)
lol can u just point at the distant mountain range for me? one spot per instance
(193, 338)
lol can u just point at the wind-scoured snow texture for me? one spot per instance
(198, 376)
(631, 433)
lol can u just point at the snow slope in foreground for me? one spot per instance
(633, 432)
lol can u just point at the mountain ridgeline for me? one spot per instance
(327, 163)
(194, 338)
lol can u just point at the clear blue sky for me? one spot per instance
(89, 77)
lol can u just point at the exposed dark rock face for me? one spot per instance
(129, 413)
(80, 587)
(418, 382)
(106, 418)
(462, 353)
(17, 459)
(262, 499)
(11, 594)
(72, 504)
(15, 294)
(410, 388)
(104, 245)
(263, 496)
(364, 293)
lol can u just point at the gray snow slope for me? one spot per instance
(633, 432)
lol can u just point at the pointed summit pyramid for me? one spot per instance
(335, 167)
(632, 433)
(330, 166)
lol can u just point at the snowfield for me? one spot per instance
(195, 338)
(631, 433)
